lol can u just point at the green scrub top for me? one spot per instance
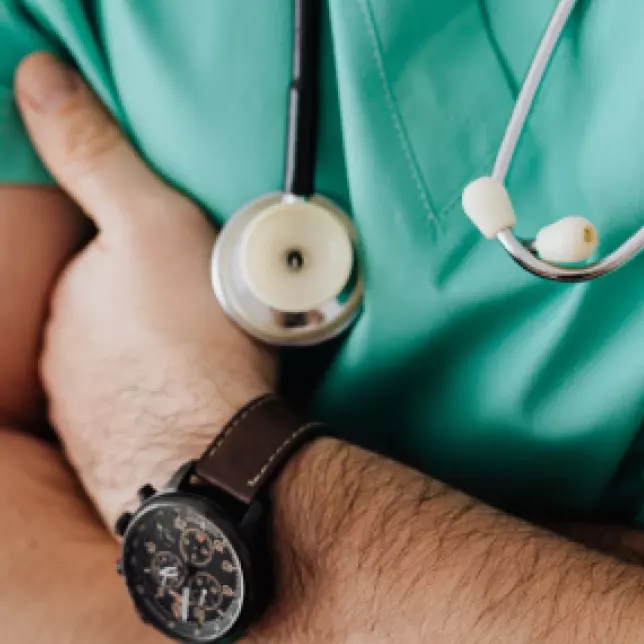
(526, 393)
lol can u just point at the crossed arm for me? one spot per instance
(56, 557)
(366, 550)
(54, 551)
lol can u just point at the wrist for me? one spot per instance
(310, 482)
(156, 423)
(309, 512)
(333, 506)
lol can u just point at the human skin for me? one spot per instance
(57, 559)
(40, 228)
(141, 374)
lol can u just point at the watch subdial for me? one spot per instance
(206, 593)
(196, 547)
(168, 570)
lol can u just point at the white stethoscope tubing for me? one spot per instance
(522, 251)
(530, 88)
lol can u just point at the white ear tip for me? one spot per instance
(568, 241)
(487, 203)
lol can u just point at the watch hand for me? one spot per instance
(185, 603)
(162, 588)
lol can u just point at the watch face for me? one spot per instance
(183, 569)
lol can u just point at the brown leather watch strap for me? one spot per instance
(253, 447)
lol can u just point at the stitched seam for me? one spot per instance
(228, 431)
(393, 111)
(289, 441)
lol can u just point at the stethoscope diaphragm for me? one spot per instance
(286, 270)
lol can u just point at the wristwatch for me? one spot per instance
(196, 555)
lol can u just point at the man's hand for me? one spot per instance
(139, 357)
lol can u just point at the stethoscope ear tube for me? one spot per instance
(286, 267)
(571, 240)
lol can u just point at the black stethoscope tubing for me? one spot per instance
(304, 99)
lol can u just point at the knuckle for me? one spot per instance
(172, 204)
(169, 210)
(89, 137)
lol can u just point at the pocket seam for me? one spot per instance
(484, 169)
(394, 113)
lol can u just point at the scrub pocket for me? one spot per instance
(445, 87)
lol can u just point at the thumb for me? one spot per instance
(82, 146)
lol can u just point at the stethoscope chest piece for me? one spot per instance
(286, 270)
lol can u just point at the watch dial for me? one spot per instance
(184, 572)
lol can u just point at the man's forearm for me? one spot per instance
(369, 550)
(56, 559)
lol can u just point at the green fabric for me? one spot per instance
(526, 393)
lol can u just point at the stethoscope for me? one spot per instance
(571, 240)
(286, 267)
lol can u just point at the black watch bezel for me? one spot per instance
(246, 538)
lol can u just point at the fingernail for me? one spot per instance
(45, 82)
